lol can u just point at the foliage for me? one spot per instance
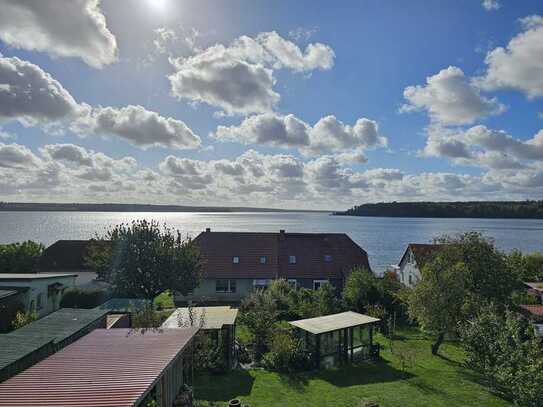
(259, 313)
(361, 289)
(144, 260)
(286, 353)
(281, 293)
(479, 209)
(164, 300)
(83, 297)
(209, 354)
(8, 312)
(325, 300)
(148, 317)
(527, 267)
(507, 351)
(20, 257)
(489, 278)
(302, 303)
(437, 301)
(23, 318)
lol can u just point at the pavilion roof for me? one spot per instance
(334, 322)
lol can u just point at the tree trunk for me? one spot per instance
(437, 344)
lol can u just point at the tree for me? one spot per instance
(145, 260)
(527, 267)
(489, 279)
(259, 313)
(326, 301)
(505, 349)
(20, 257)
(361, 289)
(437, 301)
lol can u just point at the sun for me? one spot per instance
(158, 4)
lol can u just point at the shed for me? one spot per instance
(219, 322)
(338, 338)
(28, 345)
(112, 368)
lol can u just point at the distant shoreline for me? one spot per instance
(451, 210)
(79, 207)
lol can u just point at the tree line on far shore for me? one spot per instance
(478, 209)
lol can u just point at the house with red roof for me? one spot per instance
(236, 263)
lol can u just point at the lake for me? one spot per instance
(383, 238)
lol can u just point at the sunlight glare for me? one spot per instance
(158, 4)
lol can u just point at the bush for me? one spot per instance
(20, 257)
(8, 313)
(83, 298)
(286, 353)
(23, 318)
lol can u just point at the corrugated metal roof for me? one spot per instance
(54, 327)
(211, 317)
(114, 367)
(7, 293)
(334, 322)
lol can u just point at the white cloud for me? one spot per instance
(31, 95)
(65, 28)
(520, 64)
(239, 78)
(450, 98)
(138, 126)
(491, 5)
(17, 156)
(328, 135)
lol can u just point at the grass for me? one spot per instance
(409, 376)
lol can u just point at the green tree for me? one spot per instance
(259, 313)
(437, 301)
(144, 260)
(527, 267)
(361, 289)
(326, 301)
(20, 257)
(489, 278)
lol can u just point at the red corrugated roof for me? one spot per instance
(534, 309)
(114, 367)
(218, 248)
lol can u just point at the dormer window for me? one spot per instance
(327, 258)
(291, 259)
(263, 259)
(235, 260)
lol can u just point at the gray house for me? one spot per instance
(236, 263)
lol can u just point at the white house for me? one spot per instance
(412, 261)
(40, 292)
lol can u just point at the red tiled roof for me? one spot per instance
(105, 368)
(218, 249)
(422, 252)
(536, 310)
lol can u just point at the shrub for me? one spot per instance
(20, 257)
(83, 298)
(23, 318)
(8, 313)
(286, 353)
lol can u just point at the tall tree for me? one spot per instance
(436, 302)
(143, 260)
(20, 257)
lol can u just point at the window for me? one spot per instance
(318, 283)
(328, 258)
(291, 259)
(261, 283)
(410, 280)
(225, 286)
(292, 282)
(235, 259)
(263, 259)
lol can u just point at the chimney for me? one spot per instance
(208, 230)
(282, 231)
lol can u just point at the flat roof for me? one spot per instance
(108, 367)
(334, 322)
(213, 317)
(34, 276)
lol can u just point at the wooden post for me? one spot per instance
(351, 342)
(317, 351)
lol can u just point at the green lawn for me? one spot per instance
(427, 381)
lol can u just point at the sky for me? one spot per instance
(303, 105)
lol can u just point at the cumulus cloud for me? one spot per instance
(490, 5)
(450, 98)
(17, 156)
(65, 28)
(239, 78)
(520, 64)
(138, 126)
(31, 95)
(328, 135)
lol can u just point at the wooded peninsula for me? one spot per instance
(476, 209)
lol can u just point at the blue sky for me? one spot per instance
(281, 104)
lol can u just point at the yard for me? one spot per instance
(426, 381)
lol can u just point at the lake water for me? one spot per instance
(384, 239)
